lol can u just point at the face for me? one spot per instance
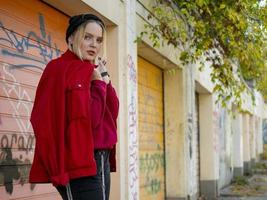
(92, 42)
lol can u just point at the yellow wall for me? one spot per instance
(150, 120)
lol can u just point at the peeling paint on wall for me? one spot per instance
(132, 133)
(191, 134)
(223, 144)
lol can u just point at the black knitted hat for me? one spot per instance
(77, 20)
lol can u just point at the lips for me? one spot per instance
(91, 53)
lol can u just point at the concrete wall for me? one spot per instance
(222, 152)
(209, 147)
(174, 100)
(237, 131)
(227, 145)
(174, 135)
(224, 128)
(246, 143)
(264, 131)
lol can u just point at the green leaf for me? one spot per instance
(222, 6)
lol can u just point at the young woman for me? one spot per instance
(74, 117)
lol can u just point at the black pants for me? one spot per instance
(92, 187)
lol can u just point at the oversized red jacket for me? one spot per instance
(61, 120)
(105, 107)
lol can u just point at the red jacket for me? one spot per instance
(104, 114)
(62, 124)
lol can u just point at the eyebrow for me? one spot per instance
(86, 33)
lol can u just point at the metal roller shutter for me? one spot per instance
(31, 34)
(151, 136)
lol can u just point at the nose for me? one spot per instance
(93, 42)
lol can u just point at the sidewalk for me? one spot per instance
(248, 188)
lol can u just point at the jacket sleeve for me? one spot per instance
(48, 121)
(113, 105)
(112, 159)
(98, 102)
(112, 101)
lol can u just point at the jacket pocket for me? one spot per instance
(78, 101)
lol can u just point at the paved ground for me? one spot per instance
(242, 198)
(253, 188)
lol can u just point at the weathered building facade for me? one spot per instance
(174, 141)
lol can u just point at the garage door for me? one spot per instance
(197, 146)
(31, 34)
(151, 138)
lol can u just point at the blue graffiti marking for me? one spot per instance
(6, 52)
(42, 25)
(43, 44)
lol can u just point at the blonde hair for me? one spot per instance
(78, 37)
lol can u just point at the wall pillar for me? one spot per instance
(252, 140)
(259, 140)
(260, 137)
(238, 145)
(132, 103)
(175, 155)
(246, 145)
(208, 148)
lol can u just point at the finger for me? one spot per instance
(104, 59)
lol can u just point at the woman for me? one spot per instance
(74, 117)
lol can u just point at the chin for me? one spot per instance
(91, 59)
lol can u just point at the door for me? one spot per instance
(197, 146)
(151, 135)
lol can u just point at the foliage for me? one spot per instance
(240, 180)
(261, 165)
(229, 35)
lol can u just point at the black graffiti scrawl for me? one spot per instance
(8, 169)
(13, 169)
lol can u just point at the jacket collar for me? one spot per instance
(69, 55)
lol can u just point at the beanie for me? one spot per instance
(77, 20)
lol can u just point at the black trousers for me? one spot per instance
(92, 187)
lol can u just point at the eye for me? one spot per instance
(99, 40)
(88, 37)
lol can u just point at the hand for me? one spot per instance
(96, 75)
(101, 65)
(106, 79)
(103, 70)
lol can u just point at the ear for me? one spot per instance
(70, 40)
(70, 43)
